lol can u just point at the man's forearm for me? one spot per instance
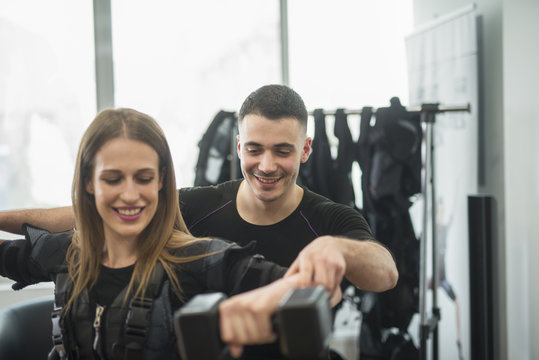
(369, 265)
(366, 264)
(55, 220)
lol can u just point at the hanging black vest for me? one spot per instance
(342, 187)
(216, 151)
(316, 173)
(389, 154)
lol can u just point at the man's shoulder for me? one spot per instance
(228, 188)
(320, 206)
(314, 201)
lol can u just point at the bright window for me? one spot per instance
(183, 61)
(47, 98)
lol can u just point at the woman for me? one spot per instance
(132, 261)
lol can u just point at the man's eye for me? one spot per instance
(283, 152)
(252, 151)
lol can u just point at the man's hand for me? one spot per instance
(365, 263)
(320, 263)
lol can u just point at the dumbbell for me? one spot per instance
(303, 322)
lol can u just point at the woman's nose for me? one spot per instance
(130, 191)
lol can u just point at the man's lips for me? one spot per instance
(267, 179)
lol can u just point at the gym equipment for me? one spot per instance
(303, 322)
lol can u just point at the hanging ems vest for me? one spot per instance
(342, 186)
(217, 161)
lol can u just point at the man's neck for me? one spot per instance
(257, 212)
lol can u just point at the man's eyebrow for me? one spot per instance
(284, 144)
(278, 145)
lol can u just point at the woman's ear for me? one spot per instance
(90, 187)
(162, 174)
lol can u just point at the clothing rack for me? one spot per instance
(428, 322)
(410, 109)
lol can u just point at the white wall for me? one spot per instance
(521, 131)
(509, 84)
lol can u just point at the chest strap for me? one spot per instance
(61, 350)
(137, 322)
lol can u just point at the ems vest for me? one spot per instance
(141, 330)
(217, 160)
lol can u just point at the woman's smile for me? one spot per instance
(129, 213)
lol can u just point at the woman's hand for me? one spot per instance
(245, 319)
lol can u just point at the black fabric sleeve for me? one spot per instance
(230, 269)
(247, 272)
(35, 258)
(13, 259)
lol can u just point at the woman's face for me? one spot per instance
(125, 183)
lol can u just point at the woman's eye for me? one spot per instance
(111, 181)
(145, 180)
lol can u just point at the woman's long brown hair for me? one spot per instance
(166, 231)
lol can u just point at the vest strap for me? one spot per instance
(61, 350)
(138, 317)
(57, 337)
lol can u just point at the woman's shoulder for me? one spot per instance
(202, 255)
(204, 246)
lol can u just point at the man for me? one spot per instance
(268, 206)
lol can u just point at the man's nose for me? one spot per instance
(267, 163)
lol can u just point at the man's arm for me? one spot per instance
(55, 220)
(365, 263)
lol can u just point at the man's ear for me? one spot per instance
(238, 147)
(306, 151)
(90, 187)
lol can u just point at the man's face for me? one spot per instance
(271, 152)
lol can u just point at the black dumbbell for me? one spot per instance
(303, 323)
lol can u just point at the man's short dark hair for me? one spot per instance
(275, 102)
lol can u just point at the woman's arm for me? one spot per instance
(34, 258)
(245, 319)
(14, 256)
